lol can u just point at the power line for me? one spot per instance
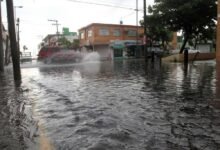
(115, 4)
(102, 4)
(128, 15)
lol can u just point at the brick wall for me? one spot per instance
(98, 39)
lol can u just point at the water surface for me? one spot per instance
(125, 105)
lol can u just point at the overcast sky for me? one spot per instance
(34, 15)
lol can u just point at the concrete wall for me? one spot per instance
(204, 48)
(192, 57)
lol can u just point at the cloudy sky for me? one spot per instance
(74, 14)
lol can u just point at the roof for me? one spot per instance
(60, 35)
(49, 36)
(103, 24)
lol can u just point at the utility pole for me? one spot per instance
(14, 47)
(1, 42)
(145, 32)
(137, 49)
(137, 21)
(57, 27)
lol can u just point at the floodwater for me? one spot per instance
(113, 105)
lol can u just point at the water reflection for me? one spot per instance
(126, 104)
(216, 103)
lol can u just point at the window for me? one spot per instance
(116, 32)
(104, 32)
(82, 35)
(132, 32)
(90, 33)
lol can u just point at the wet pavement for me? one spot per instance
(121, 105)
(16, 122)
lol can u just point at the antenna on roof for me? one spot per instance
(121, 22)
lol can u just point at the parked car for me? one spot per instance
(58, 55)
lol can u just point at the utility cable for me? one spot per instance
(128, 15)
(112, 3)
(102, 4)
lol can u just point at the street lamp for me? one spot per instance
(15, 10)
(17, 24)
(18, 36)
(18, 6)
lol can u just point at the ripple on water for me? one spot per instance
(107, 145)
(128, 105)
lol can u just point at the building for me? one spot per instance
(52, 39)
(98, 36)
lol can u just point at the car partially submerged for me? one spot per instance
(58, 55)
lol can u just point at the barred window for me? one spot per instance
(116, 32)
(132, 32)
(104, 32)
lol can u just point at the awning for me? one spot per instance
(118, 46)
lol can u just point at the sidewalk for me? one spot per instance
(16, 132)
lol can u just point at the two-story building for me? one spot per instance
(52, 39)
(98, 36)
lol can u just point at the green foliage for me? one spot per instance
(76, 43)
(67, 44)
(157, 32)
(193, 17)
(64, 42)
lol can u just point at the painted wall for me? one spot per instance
(97, 39)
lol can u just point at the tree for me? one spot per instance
(156, 32)
(67, 44)
(192, 17)
(76, 43)
(25, 48)
(204, 36)
(64, 42)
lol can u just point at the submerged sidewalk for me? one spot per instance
(17, 128)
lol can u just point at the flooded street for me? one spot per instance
(112, 105)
